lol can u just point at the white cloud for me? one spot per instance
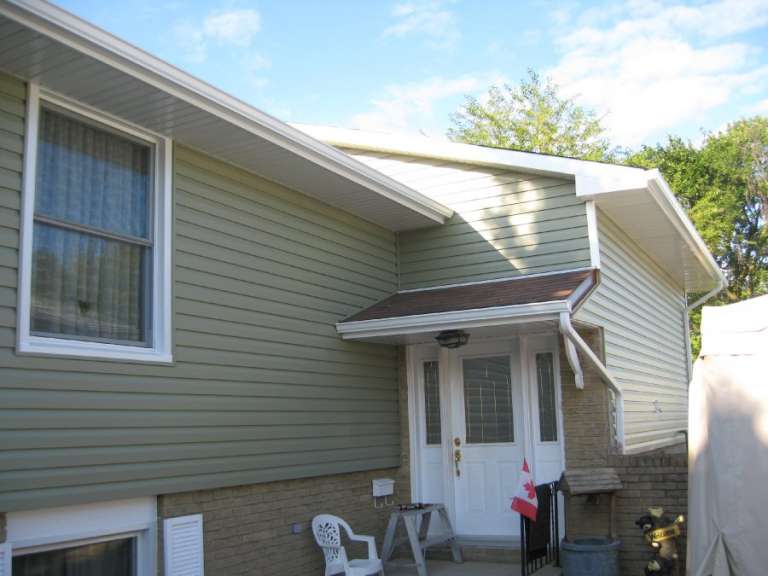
(429, 18)
(410, 107)
(761, 107)
(233, 28)
(648, 66)
(191, 40)
(236, 27)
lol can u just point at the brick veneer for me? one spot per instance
(657, 479)
(654, 479)
(587, 437)
(247, 529)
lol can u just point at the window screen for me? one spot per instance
(92, 235)
(488, 400)
(432, 402)
(545, 378)
(113, 558)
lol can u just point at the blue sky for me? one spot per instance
(648, 68)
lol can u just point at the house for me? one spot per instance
(214, 325)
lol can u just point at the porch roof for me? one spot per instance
(474, 305)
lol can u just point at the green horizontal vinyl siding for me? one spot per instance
(642, 315)
(505, 223)
(262, 387)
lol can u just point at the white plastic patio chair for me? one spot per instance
(325, 527)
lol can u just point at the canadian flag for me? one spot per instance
(525, 501)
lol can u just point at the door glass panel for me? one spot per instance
(114, 557)
(488, 400)
(545, 377)
(432, 402)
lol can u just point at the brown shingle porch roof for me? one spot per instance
(538, 289)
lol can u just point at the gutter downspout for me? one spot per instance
(708, 295)
(574, 341)
(687, 308)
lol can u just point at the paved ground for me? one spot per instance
(446, 568)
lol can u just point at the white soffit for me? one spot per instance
(653, 218)
(638, 201)
(43, 43)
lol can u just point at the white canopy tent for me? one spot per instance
(728, 449)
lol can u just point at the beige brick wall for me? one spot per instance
(587, 437)
(657, 479)
(654, 479)
(247, 529)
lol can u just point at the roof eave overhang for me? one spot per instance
(73, 32)
(453, 320)
(651, 183)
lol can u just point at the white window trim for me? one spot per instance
(160, 348)
(36, 531)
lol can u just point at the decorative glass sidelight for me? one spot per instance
(545, 382)
(432, 402)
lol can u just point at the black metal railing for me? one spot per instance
(540, 540)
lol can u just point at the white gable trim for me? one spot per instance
(593, 180)
(597, 173)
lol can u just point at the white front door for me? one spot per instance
(494, 402)
(488, 432)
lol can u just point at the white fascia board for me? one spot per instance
(665, 198)
(652, 183)
(442, 149)
(452, 320)
(68, 29)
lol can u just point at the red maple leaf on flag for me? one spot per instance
(530, 490)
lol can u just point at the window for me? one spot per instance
(432, 402)
(488, 400)
(113, 557)
(95, 247)
(545, 380)
(115, 538)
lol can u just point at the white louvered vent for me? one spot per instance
(183, 539)
(5, 559)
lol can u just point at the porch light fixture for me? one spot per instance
(452, 338)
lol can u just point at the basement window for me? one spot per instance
(116, 557)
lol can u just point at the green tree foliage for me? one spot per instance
(532, 117)
(723, 184)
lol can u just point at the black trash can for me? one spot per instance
(590, 557)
